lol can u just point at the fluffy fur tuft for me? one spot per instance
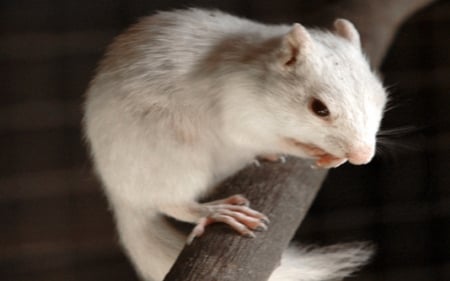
(330, 263)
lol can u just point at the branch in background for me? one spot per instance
(284, 192)
(377, 21)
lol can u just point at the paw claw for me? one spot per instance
(249, 235)
(271, 158)
(261, 228)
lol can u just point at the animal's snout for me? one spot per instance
(361, 154)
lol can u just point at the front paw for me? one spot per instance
(329, 161)
(271, 158)
(233, 211)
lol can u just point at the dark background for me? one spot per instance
(55, 223)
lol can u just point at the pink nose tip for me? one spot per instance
(360, 155)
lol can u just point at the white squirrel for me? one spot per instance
(184, 99)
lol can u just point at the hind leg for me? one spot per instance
(151, 243)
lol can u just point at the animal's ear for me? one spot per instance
(294, 44)
(347, 30)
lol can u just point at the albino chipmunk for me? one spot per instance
(184, 99)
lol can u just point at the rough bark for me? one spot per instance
(284, 192)
(281, 191)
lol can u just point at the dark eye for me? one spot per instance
(319, 108)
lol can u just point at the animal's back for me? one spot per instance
(175, 42)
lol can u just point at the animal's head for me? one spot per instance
(331, 102)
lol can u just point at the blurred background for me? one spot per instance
(55, 222)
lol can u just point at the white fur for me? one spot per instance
(184, 99)
(326, 263)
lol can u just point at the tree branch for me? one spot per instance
(284, 192)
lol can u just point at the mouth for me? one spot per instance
(323, 158)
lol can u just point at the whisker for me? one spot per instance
(399, 132)
(396, 101)
(397, 144)
(389, 107)
(385, 152)
(379, 149)
(388, 88)
(394, 141)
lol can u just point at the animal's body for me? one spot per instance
(184, 99)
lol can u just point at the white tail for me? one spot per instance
(330, 263)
